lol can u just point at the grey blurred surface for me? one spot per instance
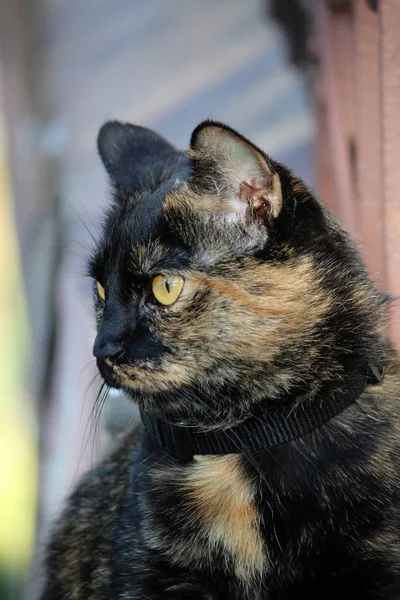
(165, 64)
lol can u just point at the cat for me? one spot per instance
(234, 308)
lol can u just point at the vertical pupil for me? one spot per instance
(167, 285)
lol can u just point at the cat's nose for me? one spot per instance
(110, 349)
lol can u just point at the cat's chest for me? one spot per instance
(206, 514)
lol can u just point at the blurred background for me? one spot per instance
(289, 74)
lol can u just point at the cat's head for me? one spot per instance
(219, 279)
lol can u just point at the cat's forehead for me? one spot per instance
(175, 226)
(157, 256)
(138, 237)
(140, 218)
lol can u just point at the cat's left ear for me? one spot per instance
(133, 155)
(241, 168)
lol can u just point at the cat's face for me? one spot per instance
(204, 281)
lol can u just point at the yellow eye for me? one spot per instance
(101, 291)
(167, 289)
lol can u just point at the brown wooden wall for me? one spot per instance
(358, 99)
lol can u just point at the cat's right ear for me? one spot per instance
(128, 151)
(228, 162)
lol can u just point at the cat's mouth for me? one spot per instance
(113, 375)
(144, 376)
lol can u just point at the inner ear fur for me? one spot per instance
(247, 172)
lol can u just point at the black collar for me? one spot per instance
(256, 433)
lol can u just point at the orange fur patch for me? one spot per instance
(223, 500)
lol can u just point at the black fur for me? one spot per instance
(275, 309)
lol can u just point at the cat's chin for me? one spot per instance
(112, 382)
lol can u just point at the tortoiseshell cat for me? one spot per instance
(234, 308)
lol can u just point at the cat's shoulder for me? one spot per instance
(96, 497)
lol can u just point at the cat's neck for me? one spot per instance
(260, 431)
(217, 407)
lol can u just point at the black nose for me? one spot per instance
(107, 349)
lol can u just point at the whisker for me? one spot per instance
(77, 213)
(93, 416)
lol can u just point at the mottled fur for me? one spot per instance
(276, 308)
